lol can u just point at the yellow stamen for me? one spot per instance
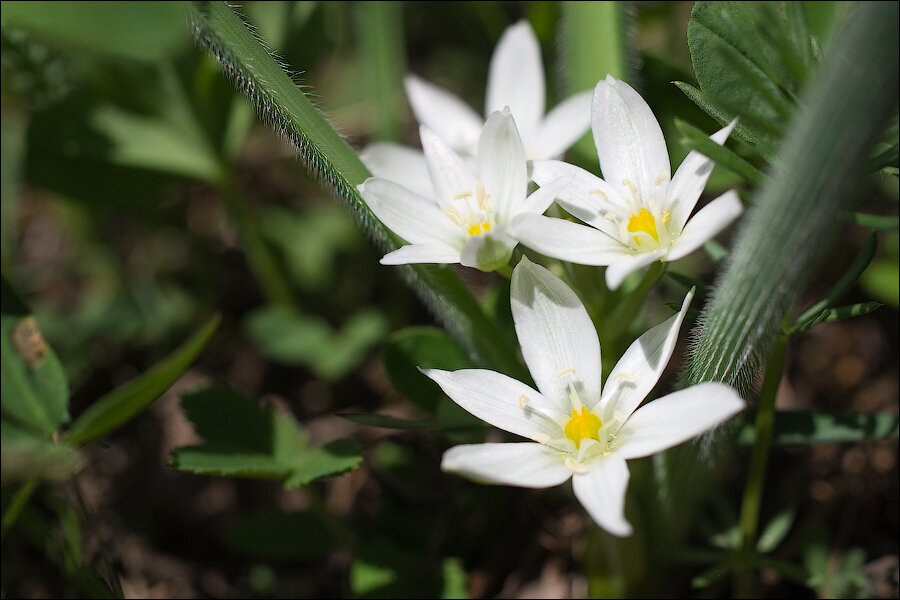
(643, 221)
(583, 426)
(566, 371)
(667, 216)
(478, 229)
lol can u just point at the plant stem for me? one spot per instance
(18, 503)
(753, 489)
(262, 261)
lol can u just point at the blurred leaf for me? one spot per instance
(709, 576)
(881, 279)
(455, 579)
(776, 530)
(721, 155)
(33, 385)
(877, 222)
(285, 335)
(242, 439)
(122, 404)
(839, 313)
(373, 420)
(366, 578)
(144, 31)
(412, 348)
(812, 427)
(26, 455)
(283, 536)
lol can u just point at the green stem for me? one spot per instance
(260, 258)
(615, 324)
(753, 489)
(19, 500)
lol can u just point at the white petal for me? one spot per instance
(689, 180)
(640, 367)
(586, 198)
(448, 116)
(565, 240)
(629, 142)
(524, 464)
(676, 418)
(706, 224)
(499, 400)
(562, 127)
(516, 78)
(407, 214)
(450, 174)
(625, 265)
(398, 163)
(501, 165)
(557, 337)
(602, 493)
(421, 253)
(541, 199)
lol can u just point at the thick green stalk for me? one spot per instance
(786, 233)
(756, 474)
(381, 57)
(282, 104)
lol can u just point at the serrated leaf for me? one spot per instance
(25, 456)
(33, 385)
(412, 348)
(812, 427)
(281, 536)
(243, 439)
(123, 403)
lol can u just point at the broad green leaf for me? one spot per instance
(26, 455)
(337, 166)
(32, 382)
(123, 403)
(144, 31)
(812, 427)
(410, 349)
(282, 536)
(287, 336)
(242, 439)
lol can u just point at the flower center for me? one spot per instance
(471, 212)
(583, 426)
(643, 221)
(479, 228)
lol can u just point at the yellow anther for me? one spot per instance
(667, 216)
(597, 193)
(660, 178)
(478, 229)
(482, 197)
(643, 221)
(583, 426)
(566, 371)
(627, 183)
(522, 400)
(454, 215)
(575, 466)
(462, 195)
(624, 376)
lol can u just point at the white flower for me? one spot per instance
(464, 220)
(638, 212)
(577, 430)
(516, 80)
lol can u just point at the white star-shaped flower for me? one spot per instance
(638, 213)
(465, 219)
(576, 429)
(516, 80)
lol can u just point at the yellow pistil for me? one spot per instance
(643, 221)
(583, 426)
(478, 229)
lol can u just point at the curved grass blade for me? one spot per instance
(123, 403)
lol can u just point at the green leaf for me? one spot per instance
(839, 313)
(287, 336)
(144, 31)
(793, 428)
(455, 579)
(281, 536)
(243, 439)
(877, 222)
(412, 348)
(776, 530)
(699, 141)
(123, 403)
(26, 455)
(33, 384)
(882, 281)
(327, 155)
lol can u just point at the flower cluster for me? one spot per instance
(464, 199)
